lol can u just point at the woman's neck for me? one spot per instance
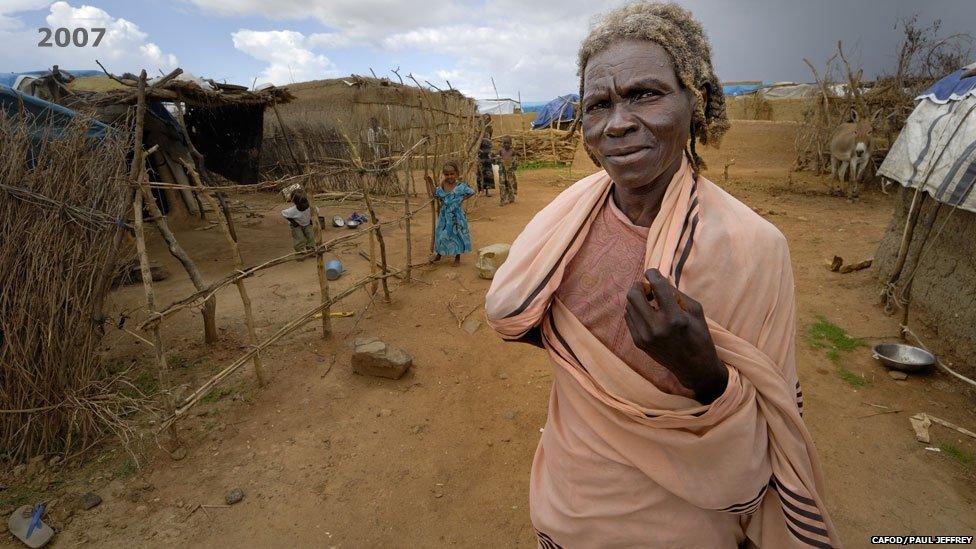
(642, 204)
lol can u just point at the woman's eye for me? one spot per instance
(597, 105)
(648, 94)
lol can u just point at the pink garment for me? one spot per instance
(596, 283)
(622, 463)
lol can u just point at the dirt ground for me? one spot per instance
(441, 457)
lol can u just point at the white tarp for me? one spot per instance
(936, 152)
(497, 106)
(789, 91)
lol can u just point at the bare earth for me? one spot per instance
(441, 457)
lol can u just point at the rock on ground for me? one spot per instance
(90, 501)
(234, 496)
(373, 357)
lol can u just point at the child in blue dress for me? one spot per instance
(452, 236)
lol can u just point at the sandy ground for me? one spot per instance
(441, 457)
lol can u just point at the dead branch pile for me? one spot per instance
(63, 199)
(923, 58)
(545, 145)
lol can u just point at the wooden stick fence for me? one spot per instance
(380, 271)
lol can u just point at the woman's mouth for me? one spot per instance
(624, 155)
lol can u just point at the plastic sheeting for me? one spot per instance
(497, 106)
(735, 90)
(558, 110)
(936, 152)
(952, 87)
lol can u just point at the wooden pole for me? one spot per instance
(138, 173)
(238, 264)
(379, 240)
(323, 280)
(146, 270)
(135, 168)
(210, 305)
(407, 177)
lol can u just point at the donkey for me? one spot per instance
(850, 148)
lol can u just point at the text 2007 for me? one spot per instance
(69, 37)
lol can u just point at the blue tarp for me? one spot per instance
(558, 110)
(534, 106)
(43, 118)
(740, 89)
(951, 88)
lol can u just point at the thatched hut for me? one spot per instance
(336, 124)
(217, 126)
(927, 258)
(65, 194)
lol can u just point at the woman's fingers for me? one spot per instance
(642, 311)
(664, 293)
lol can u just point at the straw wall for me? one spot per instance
(59, 202)
(325, 128)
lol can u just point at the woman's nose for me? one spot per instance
(620, 123)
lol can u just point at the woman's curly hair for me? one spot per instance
(677, 31)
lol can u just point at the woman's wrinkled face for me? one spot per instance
(636, 115)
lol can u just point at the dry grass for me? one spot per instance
(60, 198)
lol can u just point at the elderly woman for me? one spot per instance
(666, 307)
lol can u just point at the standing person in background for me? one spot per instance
(378, 141)
(486, 178)
(452, 236)
(508, 164)
(299, 218)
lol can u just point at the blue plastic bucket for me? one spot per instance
(333, 269)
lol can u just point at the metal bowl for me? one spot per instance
(904, 357)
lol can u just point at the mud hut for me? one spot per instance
(927, 258)
(342, 122)
(217, 126)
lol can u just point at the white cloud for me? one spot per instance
(287, 54)
(10, 7)
(124, 47)
(527, 47)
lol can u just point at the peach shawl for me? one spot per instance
(748, 454)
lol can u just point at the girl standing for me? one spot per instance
(452, 236)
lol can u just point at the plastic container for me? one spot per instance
(333, 269)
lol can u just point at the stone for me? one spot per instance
(509, 414)
(234, 496)
(503, 375)
(360, 341)
(116, 488)
(896, 375)
(385, 412)
(90, 501)
(471, 325)
(375, 358)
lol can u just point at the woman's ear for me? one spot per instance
(706, 95)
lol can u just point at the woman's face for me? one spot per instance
(636, 116)
(450, 175)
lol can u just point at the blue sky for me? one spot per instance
(527, 47)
